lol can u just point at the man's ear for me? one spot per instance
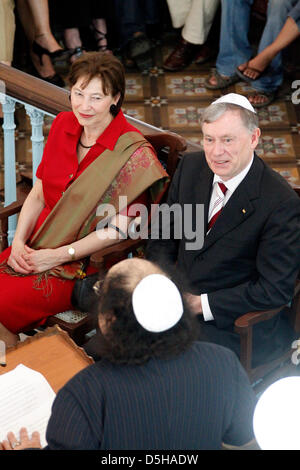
(105, 320)
(255, 137)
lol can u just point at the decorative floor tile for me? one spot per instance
(278, 147)
(183, 86)
(137, 87)
(277, 115)
(138, 111)
(182, 116)
(291, 172)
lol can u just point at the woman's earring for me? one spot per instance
(113, 110)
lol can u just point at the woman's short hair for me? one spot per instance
(125, 341)
(215, 111)
(100, 65)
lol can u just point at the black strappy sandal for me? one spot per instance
(60, 54)
(101, 36)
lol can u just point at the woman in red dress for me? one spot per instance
(92, 157)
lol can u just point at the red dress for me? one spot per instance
(22, 306)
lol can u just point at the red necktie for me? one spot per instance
(218, 206)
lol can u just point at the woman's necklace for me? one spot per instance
(85, 146)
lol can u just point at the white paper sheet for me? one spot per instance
(25, 401)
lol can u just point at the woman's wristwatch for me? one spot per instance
(71, 252)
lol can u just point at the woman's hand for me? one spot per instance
(16, 259)
(41, 260)
(12, 443)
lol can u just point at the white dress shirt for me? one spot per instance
(231, 186)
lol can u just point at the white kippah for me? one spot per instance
(157, 303)
(234, 98)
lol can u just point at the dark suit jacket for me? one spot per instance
(250, 258)
(196, 400)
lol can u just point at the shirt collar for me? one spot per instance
(109, 136)
(233, 183)
(72, 125)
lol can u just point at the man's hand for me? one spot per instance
(194, 303)
(12, 443)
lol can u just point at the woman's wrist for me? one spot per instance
(66, 254)
(18, 241)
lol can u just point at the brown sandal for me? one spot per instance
(244, 77)
(221, 81)
(269, 98)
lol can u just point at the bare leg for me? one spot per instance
(8, 337)
(72, 38)
(100, 33)
(258, 64)
(45, 69)
(73, 42)
(43, 34)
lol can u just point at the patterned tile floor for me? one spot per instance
(175, 101)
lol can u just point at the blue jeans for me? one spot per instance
(234, 45)
(133, 15)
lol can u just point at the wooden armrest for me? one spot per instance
(11, 209)
(175, 143)
(244, 322)
(5, 213)
(167, 139)
(243, 326)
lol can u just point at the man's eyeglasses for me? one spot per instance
(97, 287)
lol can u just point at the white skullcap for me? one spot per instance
(157, 303)
(234, 98)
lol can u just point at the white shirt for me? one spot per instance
(231, 186)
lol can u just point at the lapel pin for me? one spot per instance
(244, 211)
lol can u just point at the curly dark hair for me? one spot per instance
(126, 341)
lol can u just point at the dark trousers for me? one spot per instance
(78, 13)
(270, 338)
(134, 15)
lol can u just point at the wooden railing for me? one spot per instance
(53, 99)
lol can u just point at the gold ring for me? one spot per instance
(15, 444)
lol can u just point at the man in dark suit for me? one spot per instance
(250, 254)
(155, 387)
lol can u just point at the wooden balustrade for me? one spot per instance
(53, 99)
